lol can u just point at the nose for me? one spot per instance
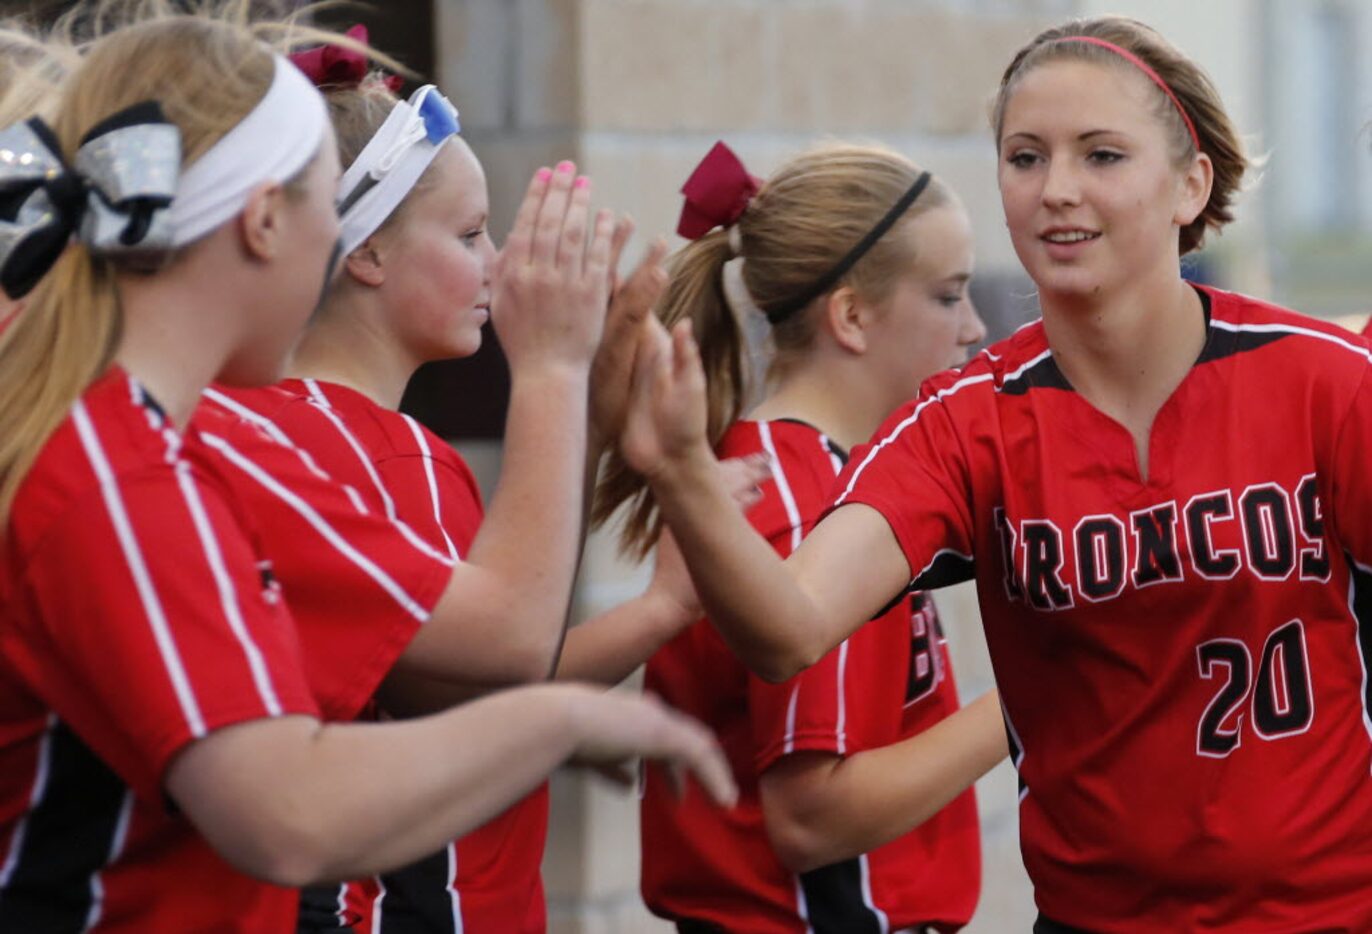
(487, 253)
(1060, 184)
(971, 329)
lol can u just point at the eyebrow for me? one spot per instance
(1081, 137)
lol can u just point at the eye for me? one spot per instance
(472, 236)
(1104, 156)
(1023, 158)
(950, 300)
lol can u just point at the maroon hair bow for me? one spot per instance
(335, 66)
(717, 193)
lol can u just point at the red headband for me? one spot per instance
(717, 193)
(335, 66)
(1153, 76)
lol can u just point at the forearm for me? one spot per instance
(851, 805)
(764, 614)
(607, 648)
(526, 551)
(351, 800)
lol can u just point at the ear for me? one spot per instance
(847, 318)
(364, 265)
(261, 223)
(1195, 189)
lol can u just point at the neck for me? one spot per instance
(806, 392)
(1127, 352)
(177, 337)
(348, 345)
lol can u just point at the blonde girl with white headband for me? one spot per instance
(158, 726)
(419, 278)
(1160, 490)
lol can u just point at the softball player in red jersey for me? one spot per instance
(1159, 491)
(418, 286)
(157, 724)
(850, 819)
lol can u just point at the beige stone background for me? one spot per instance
(636, 91)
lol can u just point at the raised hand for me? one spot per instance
(551, 285)
(630, 306)
(665, 420)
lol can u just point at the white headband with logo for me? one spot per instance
(392, 162)
(272, 143)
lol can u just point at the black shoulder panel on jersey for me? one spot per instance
(834, 902)
(1042, 375)
(1223, 342)
(320, 910)
(69, 836)
(947, 568)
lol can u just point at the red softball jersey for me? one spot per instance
(137, 615)
(1182, 658)
(490, 880)
(890, 680)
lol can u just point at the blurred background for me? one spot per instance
(636, 91)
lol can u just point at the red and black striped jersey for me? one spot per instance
(489, 880)
(1182, 657)
(137, 615)
(890, 680)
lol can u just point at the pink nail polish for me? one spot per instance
(565, 166)
(581, 182)
(543, 174)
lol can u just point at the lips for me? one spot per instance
(1066, 237)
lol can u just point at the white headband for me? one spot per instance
(271, 144)
(392, 162)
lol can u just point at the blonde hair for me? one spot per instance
(803, 221)
(208, 69)
(1191, 85)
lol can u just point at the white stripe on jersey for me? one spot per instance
(452, 888)
(914, 417)
(841, 727)
(228, 594)
(423, 443)
(803, 907)
(320, 525)
(779, 475)
(121, 832)
(273, 431)
(1293, 329)
(376, 905)
(788, 742)
(834, 460)
(883, 922)
(40, 788)
(411, 536)
(1358, 644)
(133, 556)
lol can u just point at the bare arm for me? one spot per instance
(820, 809)
(295, 802)
(510, 596)
(779, 617)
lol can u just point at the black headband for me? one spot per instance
(826, 281)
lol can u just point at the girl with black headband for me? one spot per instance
(1160, 490)
(855, 812)
(163, 751)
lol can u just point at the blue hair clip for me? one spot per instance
(439, 116)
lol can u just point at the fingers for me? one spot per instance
(654, 352)
(624, 229)
(598, 255)
(571, 245)
(743, 476)
(701, 754)
(520, 240)
(635, 299)
(552, 213)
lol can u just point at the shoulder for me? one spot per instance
(1240, 323)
